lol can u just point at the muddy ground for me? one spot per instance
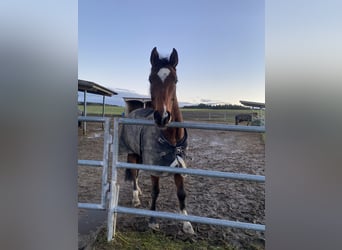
(211, 197)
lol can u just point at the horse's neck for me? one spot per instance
(174, 135)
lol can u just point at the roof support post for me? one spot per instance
(85, 112)
(103, 106)
(103, 109)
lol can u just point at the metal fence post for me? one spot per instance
(114, 188)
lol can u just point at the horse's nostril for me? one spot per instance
(156, 116)
(161, 120)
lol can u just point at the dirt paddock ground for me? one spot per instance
(242, 201)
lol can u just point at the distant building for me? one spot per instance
(254, 105)
(132, 103)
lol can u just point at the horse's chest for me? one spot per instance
(157, 150)
(149, 143)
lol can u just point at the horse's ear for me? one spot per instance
(174, 58)
(154, 56)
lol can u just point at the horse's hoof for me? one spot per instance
(153, 225)
(187, 228)
(136, 201)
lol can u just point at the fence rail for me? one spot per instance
(218, 115)
(197, 125)
(114, 192)
(191, 171)
(192, 218)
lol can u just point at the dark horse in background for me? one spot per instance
(159, 144)
(244, 117)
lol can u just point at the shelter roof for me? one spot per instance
(94, 88)
(141, 99)
(253, 104)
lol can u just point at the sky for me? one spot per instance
(220, 45)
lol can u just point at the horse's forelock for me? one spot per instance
(161, 63)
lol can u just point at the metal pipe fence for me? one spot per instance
(114, 192)
(107, 140)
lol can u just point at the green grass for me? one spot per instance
(96, 109)
(150, 241)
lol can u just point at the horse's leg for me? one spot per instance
(132, 175)
(155, 192)
(181, 194)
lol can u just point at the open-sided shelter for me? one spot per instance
(132, 103)
(94, 88)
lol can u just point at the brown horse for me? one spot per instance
(160, 144)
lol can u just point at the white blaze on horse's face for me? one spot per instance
(165, 114)
(163, 73)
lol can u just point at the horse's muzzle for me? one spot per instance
(162, 120)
